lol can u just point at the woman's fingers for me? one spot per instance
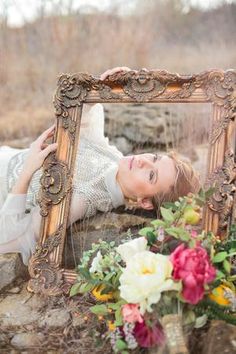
(48, 132)
(48, 149)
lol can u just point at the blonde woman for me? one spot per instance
(104, 179)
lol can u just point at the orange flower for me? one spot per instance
(101, 297)
(219, 295)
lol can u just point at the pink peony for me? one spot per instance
(192, 266)
(130, 313)
(147, 336)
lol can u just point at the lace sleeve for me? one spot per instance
(80, 207)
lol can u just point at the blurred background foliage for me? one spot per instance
(69, 36)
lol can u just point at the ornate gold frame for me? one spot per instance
(216, 87)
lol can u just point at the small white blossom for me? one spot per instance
(96, 266)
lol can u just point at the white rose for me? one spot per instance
(95, 266)
(145, 277)
(130, 248)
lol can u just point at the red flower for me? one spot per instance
(192, 266)
(148, 336)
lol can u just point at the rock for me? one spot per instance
(55, 318)
(20, 309)
(11, 267)
(27, 340)
(108, 227)
(3, 340)
(220, 338)
(144, 123)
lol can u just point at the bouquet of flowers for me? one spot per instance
(171, 275)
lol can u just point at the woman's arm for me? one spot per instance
(38, 151)
(18, 230)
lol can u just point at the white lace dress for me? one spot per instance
(94, 185)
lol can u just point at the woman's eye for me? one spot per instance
(151, 175)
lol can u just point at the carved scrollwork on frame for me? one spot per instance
(71, 91)
(218, 86)
(224, 179)
(56, 182)
(46, 276)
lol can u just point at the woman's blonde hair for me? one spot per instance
(187, 180)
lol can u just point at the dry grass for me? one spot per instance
(161, 36)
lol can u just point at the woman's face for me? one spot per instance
(142, 176)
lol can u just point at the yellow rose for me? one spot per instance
(101, 297)
(219, 295)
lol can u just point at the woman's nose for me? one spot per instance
(143, 162)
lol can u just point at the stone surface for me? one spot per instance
(55, 318)
(11, 267)
(221, 338)
(108, 227)
(3, 340)
(27, 340)
(20, 309)
(143, 123)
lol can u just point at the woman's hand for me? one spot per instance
(38, 151)
(114, 71)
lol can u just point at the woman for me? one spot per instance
(104, 179)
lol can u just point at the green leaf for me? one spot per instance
(151, 238)
(99, 310)
(121, 345)
(118, 317)
(113, 305)
(192, 243)
(85, 273)
(74, 290)
(85, 288)
(108, 276)
(172, 232)
(116, 305)
(157, 223)
(219, 274)
(169, 205)
(219, 257)
(227, 266)
(167, 214)
(145, 230)
(106, 289)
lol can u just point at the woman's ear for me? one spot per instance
(145, 203)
